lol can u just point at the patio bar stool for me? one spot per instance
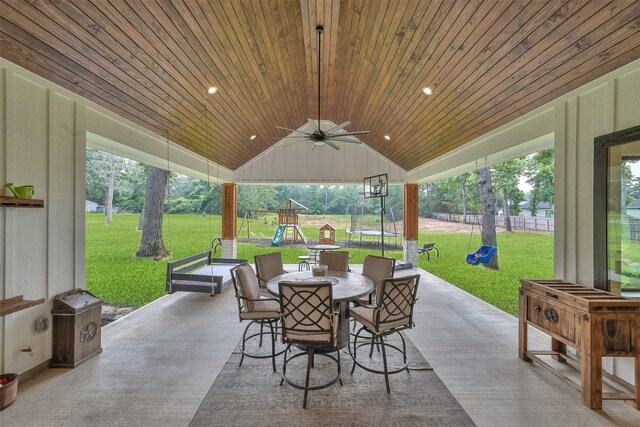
(257, 309)
(391, 313)
(304, 262)
(310, 322)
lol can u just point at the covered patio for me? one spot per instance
(265, 92)
(160, 361)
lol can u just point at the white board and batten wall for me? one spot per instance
(42, 250)
(44, 132)
(295, 163)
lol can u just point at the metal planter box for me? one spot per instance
(77, 320)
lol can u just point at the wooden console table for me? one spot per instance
(596, 323)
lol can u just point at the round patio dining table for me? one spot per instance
(346, 287)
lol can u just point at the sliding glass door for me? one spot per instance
(617, 211)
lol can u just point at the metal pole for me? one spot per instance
(382, 222)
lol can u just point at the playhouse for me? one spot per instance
(327, 235)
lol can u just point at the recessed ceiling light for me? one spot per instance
(252, 137)
(212, 90)
(427, 91)
(387, 137)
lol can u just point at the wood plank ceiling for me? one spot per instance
(487, 62)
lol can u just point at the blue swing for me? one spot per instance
(486, 252)
(482, 255)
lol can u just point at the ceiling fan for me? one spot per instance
(330, 136)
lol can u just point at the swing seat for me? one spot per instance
(482, 255)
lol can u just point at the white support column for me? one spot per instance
(230, 248)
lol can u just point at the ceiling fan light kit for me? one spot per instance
(330, 136)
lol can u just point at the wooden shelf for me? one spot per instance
(11, 305)
(14, 202)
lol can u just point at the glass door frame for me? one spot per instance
(600, 185)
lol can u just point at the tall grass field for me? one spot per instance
(117, 277)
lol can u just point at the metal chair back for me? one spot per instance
(268, 266)
(377, 268)
(307, 312)
(335, 260)
(395, 299)
(246, 287)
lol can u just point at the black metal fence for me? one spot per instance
(634, 228)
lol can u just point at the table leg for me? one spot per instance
(636, 403)
(591, 365)
(522, 328)
(343, 327)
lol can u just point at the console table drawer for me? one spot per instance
(551, 316)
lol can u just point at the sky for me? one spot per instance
(523, 185)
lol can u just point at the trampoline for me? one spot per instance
(375, 234)
(201, 273)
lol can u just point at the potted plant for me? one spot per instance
(8, 390)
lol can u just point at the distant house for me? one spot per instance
(90, 206)
(543, 209)
(633, 209)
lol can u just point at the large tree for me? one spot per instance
(464, 183)
(488, 213)
(111, 185)
(151, 244)
(506, 177)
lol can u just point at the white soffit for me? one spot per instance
(153, 152)
(519, 138)
(290, 161)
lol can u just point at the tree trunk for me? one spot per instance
(488, 214)
(464, 201)
(112, 183)
(507, 214)
(151, 244)
(141, 220)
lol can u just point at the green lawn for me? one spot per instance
(521, 256)
(115, 276)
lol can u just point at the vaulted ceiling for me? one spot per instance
(487, 63)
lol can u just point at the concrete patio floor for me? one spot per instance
(159, 362)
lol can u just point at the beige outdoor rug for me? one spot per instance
(252, 396)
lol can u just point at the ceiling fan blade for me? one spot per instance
(313, 124)
(357, 132)
(332, 145)
(347, 140)
(338, 127)
(292, 130)
(290, 136)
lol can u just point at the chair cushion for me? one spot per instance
(269, 266)
(377, 268)
(364, 315)
(314, 337)
(248, 284)
(262, 310)
(336, 261)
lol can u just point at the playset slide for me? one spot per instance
(279, 235)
